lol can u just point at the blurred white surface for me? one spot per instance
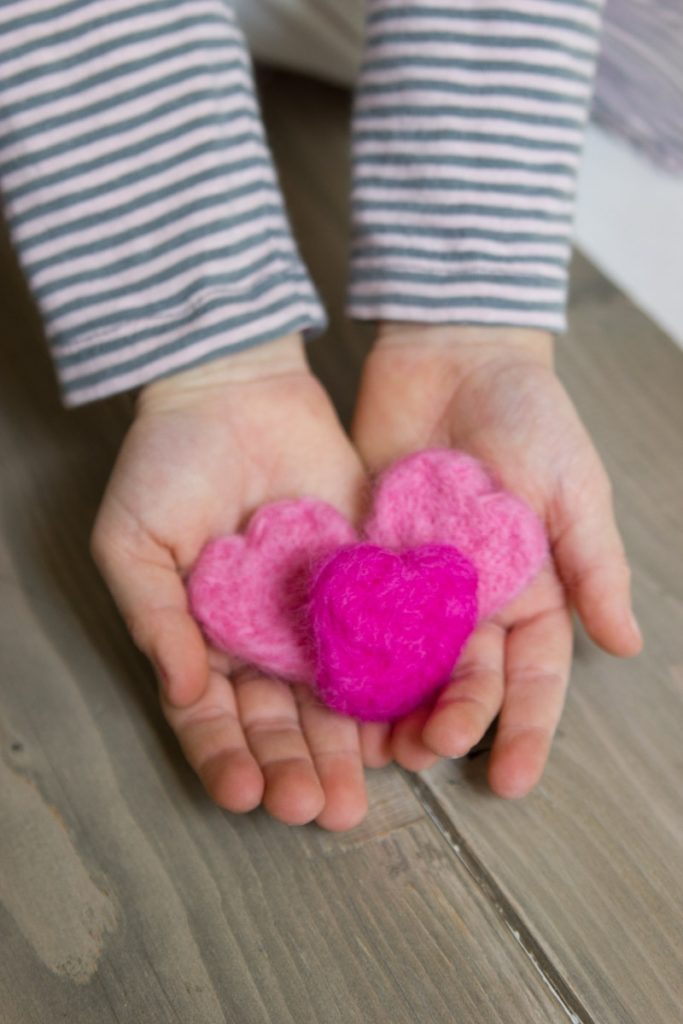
(630, 224)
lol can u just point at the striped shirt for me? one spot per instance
(144, 207)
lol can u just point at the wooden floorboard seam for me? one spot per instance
(537, 956)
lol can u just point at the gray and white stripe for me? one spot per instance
(144, 206)
(468, 127)
(139, 190)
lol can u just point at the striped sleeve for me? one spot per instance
(468, 127)
(139, 190)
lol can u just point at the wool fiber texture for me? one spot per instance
(374, 621)
(249, 592)
(388, 627)
(446, 497)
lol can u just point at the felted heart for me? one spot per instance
(447, 497)
(388, 627)
(250, 592)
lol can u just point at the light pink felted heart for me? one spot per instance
(447, 497)
(250, 592)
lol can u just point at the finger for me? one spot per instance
(213, 742)
(270, 719)
(375, 744)
(537, 664)
(335, 747)
(407, 746)
(466, 707)
(591, 561)
(151, 597)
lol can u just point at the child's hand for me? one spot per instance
(493, 393)
(207, 447)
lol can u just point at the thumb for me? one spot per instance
(151, 597)
(592, 564)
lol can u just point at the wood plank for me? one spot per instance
(132, 898)
(593, 861)
(590, 867)
(124, 894)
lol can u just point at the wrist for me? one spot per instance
(467, 342)
(271, 360)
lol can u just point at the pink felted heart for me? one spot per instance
(250, 592)
(447, 497)
(388, 627)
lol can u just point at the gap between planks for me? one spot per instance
(536, 955)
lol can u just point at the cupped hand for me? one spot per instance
(494, 394)
(206, 448)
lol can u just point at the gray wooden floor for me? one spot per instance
(126, 896)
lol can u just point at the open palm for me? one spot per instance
(504, 405)
(205, 450)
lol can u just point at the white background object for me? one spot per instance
(630, 224)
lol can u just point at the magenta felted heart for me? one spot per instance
(447, 497)
(388, 627)
(250, 592)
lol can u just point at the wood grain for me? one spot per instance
(593, 860)
(589, 869)
(125, 896)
